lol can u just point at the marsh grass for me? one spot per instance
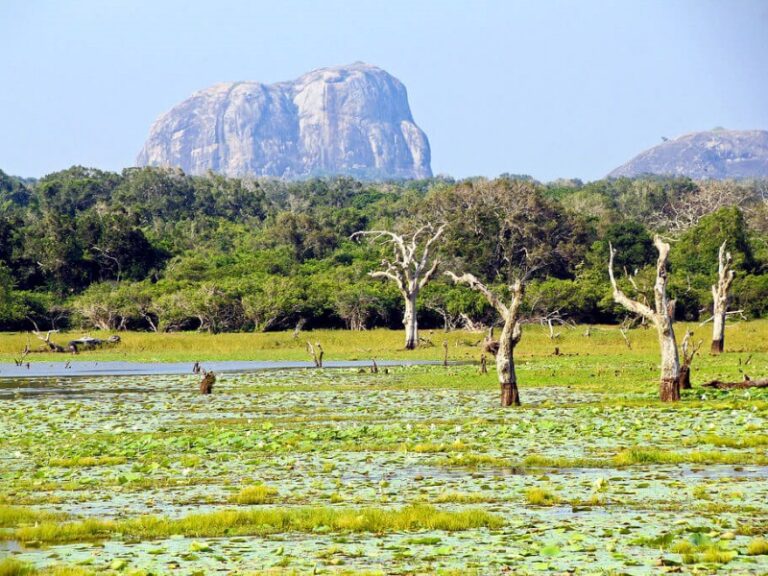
(256, 494)
(263, 522)
(640, 456)
(606, 341)
(15, 567)
(757, 547)
(87, 461)
(747, 441)
(12, 516)
(469, 460)
(464, 498)
(540, 497)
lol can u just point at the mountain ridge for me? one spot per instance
(712, 154)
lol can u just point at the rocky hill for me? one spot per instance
(716, 154)
(352, 120)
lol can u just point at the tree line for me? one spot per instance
(156, 249)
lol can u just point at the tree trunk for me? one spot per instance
(409, 321)
(718, 329)
(669, 390)
(505, 366)
(685, 377)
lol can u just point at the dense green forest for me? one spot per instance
(155, 249)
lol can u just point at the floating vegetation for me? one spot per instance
(414, 472)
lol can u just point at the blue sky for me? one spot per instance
(547, 88)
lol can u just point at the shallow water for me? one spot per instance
(350, 439)
(117, 368)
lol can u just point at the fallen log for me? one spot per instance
(89, 343)
(719, 385)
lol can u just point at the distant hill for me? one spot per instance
(715, 154)
(347, 120)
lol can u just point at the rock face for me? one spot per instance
(352, 120)
(717, 154)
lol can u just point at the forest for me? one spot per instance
(157, 250)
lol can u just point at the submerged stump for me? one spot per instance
(207, 382)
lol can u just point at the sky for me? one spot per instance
(549, 88)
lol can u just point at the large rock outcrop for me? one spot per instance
(352, 120)
(717, 154)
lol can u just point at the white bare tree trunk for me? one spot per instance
(411, 270)
(662, 316)
(670, 361)
(510, 334)
(720, 299)
(505, 362)
(410, 321)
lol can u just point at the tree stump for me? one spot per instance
(207, 382)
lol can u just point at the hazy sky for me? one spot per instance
(547, 88)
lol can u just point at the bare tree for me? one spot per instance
(510, 333)
(720, 298)
(685, 211)
(413, 267)
(661, 316)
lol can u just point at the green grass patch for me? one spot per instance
(263, 522)
(12, 516)
(257, 494)
(87, 461)
(540, 497)
(468, 460)
(757, 547)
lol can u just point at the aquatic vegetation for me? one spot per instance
(413, 471)
(14, 567)
(463, 498)
(262, 522)
(87, 461)
(256, 494)
(540, 497)
(757, 547)
(468, 460)
(11, 516)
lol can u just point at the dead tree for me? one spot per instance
(24, 353)
(510, 333)
(684, 380)
(720, 298)
(207, 382)
(316, 352)
(737, 385)
(413, 267)
(445, 352)
(661, 316)
(52, 346)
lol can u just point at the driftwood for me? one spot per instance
(74, 346)
(88, 343)
(207, 382)
(737, 385)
